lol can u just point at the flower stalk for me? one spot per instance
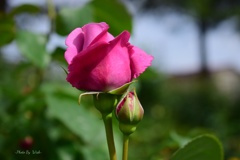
(107, 119)
(125, 147)
(104, 103)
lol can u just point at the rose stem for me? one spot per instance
(109, 134)
(125, 147)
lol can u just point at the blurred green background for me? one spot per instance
(39, 110)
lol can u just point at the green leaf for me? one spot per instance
(114, 13)
(181, 141)
(62, 105)
(29, 8)
(33, 47)
(70, 18)
(7, 30)
(205, 147)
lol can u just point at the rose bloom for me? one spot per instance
(100, 62)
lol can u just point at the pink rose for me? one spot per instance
(100, 62)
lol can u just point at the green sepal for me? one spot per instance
(127, 129)
(64, 70)
(86, 93)
(123, 89)
(105, 102)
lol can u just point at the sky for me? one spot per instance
(171, 38)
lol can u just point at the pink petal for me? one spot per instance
(74, 42)
(80, 70)
(139, 61)
(94, 31)
(103, 66)
(104, 36)
(118, 69)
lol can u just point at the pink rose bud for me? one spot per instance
(129, 113)
(101, 62)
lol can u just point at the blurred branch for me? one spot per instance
(51, 14)
(3, 4)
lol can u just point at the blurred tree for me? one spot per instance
(207, 13)
(2, 5)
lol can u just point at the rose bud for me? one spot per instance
(129, 113)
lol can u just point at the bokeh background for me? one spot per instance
(192, 88)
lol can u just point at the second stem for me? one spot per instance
(125, 147)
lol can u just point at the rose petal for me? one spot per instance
(139, 61)
(96, 31)
(104, 36)
(81, 68)
(118, 62)
(103, 66)
(74, 42)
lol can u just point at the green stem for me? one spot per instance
(125, 147)
(109, 134)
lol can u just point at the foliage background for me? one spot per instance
(39, 109)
